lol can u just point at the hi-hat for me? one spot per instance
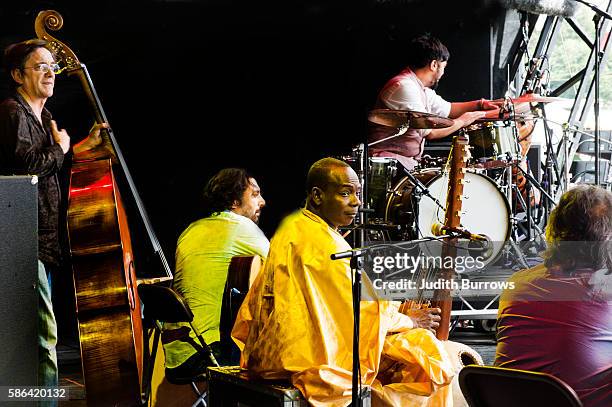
(410, 118)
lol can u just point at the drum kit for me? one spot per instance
(402, 205)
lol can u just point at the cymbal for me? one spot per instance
(413, 119)
(535, 98)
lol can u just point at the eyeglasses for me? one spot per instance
(44, 67)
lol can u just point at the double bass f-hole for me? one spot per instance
(131, 285)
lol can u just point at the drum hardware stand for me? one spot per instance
(361, 152)
(514, 237)
(513, 220)
(551, 167)
(516, 249)
(400, 130)
(599, 14)
(532, 182)
(567, 129)
(527, 206)
(422, 188)
(531, 223)
(566, 162)
(566, 165)
(509, 185)
(416, 200)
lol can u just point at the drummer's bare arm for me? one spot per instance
(492, 104)
(465, 119)
(459, 108)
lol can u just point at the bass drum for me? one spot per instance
(485, 210)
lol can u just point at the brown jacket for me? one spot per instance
(27, 148)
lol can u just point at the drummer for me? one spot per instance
(413, 89)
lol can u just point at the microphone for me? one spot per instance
(438, 229)
(376, 226)
(347, 254)
(480, 245)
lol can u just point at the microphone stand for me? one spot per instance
(356, 269)
(356, 256)
(596, 19)
(423, 189)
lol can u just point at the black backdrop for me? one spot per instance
(194, 86)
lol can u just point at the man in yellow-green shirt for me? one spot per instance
(233, 203)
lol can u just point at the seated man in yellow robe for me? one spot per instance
(296, 321)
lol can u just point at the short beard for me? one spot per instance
(434, 85)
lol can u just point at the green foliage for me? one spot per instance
(571, 54)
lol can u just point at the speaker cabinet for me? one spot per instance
(19, 272)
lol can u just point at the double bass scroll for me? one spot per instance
(69, 62)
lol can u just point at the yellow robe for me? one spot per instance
(296, 322)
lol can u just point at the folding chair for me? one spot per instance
(163, 304)
(241, 273)
(488, 386)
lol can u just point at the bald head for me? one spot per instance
(333, 191)
(321, 173)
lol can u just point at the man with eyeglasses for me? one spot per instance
(31, 143)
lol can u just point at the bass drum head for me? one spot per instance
(484, 210)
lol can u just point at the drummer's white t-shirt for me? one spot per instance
(405, 91)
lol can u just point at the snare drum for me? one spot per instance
(492, 141)
(381, 178)
(382, 171)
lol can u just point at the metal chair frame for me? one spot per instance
(473, 379)
(163, 304)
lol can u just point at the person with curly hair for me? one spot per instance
(232, 204)
(558, 317)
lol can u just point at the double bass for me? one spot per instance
(108, 307)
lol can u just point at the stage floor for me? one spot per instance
(71, 376)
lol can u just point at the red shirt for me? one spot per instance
(561, 325)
